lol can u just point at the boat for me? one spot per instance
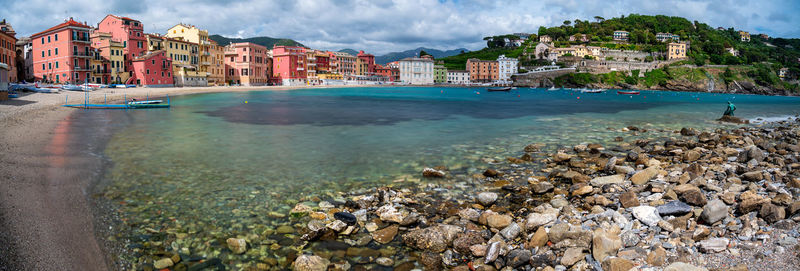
(72, 87)
(147, 102)
(631, 92)
(592, 90)
(499, 89)
(552, 88)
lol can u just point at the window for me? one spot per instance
(49, 66)
(42, 40)
(56, 64)
(48, 52)
(48, 39)
(43, 67)
(153, 61)
(42, 53)
(125, 44)
(148, 71)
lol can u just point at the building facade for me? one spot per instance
(483, 71)
(676, 50)
(507, 67)
(247, 64)
(153, 69)
(112, 52)
(545, 39)
(8, 50)
(664, 37)
(197, 36)
(744, 36)
(457, 77)
(343, 63)
(62, 53)
(24, 53)
(620, 35)
(369, 60)
(216, 67)
(288, 65)
(416, 71)
(439, 74)
(128, 31)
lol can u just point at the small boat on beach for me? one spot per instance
(630, 92)
(147, 102)
(499, 89)
(72, 87)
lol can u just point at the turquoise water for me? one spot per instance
(223, 165)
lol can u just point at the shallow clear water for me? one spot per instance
(227, 164)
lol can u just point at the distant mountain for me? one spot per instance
(349, 51)
(395, 56)
(263, 41)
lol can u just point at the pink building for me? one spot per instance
(153, 69)
(369, 59)
(247, 64)
(288, 65)
(128, 31)
(62, 53)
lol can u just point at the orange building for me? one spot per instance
(8, 53)
(483, 71)
(247, 64)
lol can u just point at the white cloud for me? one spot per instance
(381, 26)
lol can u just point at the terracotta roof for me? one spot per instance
(69, 23)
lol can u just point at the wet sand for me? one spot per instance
(46, 220)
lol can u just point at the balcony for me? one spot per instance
(205, 63)
(82, 69)
(300, 68)
(82, 54)
(206, 53)
(81, 39)
(311, 58)
(205, 42)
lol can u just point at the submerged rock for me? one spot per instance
(486, 198)
(237, 245)
(433, 173)
(310, 263)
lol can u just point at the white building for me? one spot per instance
(506, 67)
(416, 71)
(457, 77)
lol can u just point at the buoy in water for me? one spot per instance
(245, 101)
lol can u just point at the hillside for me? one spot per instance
(263, 41)
(395, 56)
(349, 51)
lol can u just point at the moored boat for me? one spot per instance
(592, 90)
(500, 89)
(629, 92)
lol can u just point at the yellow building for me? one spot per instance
(197, 36)
(362, 68)
(744, 35)
(676, 50)
(184, 56)
(216, 69)
(330, 76)
(113, 52)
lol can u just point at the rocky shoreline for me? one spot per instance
(722, 200)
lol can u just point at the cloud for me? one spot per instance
(381, 26)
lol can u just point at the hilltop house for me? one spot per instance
(545, 39)
(782, 73)
(542, 51)
(620, 35)
(579, 37)
(764, 36)
(664, 37)
(732, 51)
(676, 50)
(744, 35)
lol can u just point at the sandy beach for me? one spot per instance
(45, 216)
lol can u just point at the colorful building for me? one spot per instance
(457, 77)
(128, 31)
(439, 74)
(620, 35)
(8, 50)
(545, 39)
(153, 69)
(101, 73)
(507, 67)
(184, 56)
(744, 36)
(676, 50)
(664, 37)
(288, 65)
(416, 71)
(62, 53)
(112, 52)
(216, 69)
(369, 60)
(247, 64)
(198, 36)
(24, 59)
(343, 63)
(484, 71)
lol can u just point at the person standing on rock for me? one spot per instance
(729, 111)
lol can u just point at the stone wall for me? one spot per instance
(539, 79)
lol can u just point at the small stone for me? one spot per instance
(714, 211)
(657, 257)
(498, 221)
(572, 256)
(518, 257)
(680, 266)
(310, 263)
(541, 187)
(714, 244)
(433, 173)
(345, 217)
(771, 213)
(163, 263)
(673, 208)
(478, 250)
(613, 179)
(628, 199)
(750, 201)
(617, 264)
(486, 198)
(384, 261)
(431, 261)
(691, 156)
(490, 173)
(753, 176)
(536, 219)
(385, 235)
(539, 238)
(371, 226)
(389, 213)
(605, 242)
(583, 190)
(511, 231)
(647, 215)
(493, 252)
(644, 176)
(469, 214)
(337, 225)
(237, 245)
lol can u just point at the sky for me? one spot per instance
(382, 26)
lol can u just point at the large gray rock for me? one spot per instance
(714, 244)
(647, 215)
(680, 266)
(434, 239)
(518, 257)
(605, 242)
(674, 207)
(714, 211)
(511, 231)
(486, 198)
(536, 219)
(613, 179)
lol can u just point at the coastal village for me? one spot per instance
(119, 51)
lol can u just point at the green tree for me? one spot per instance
(423, 53)
(599, 19)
